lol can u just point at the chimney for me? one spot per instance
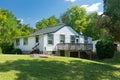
(35, 30)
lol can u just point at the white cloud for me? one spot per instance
(71, 0)
(92, 8)
(21, 20)
(99, 13)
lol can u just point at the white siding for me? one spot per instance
(67, 31)
(81, 39)
(94, 43)
(43, 41)
(31, 44)
(89, 40)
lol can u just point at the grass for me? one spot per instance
(23, 67)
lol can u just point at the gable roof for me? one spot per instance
(49, 30)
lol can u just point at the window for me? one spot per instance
(77, 39)
(50, 39)
(17, 42)
(62, 38)
(85, 39)
(72, 38)
(37, 39)
(25, 41)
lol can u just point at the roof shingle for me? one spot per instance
(49, 30)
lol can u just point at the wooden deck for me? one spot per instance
(74, 46)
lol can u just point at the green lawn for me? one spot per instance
(23, 67)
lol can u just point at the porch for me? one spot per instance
(75, 46)
(75, 50)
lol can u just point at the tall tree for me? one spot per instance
(24, 29)
(112, 17)
(91, 28)
(76, 17)
(10, 27)
(46, 22)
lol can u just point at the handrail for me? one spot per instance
(35, 46)
(75, 46)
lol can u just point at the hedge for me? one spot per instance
(105, 48)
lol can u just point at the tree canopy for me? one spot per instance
(10, 28)
(47, 22)
(78, 18)
(75, 16)
(112, 17)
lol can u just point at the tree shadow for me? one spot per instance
(59, 70)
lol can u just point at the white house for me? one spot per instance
(47, 39)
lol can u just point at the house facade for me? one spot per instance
(49, 40)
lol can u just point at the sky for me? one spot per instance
(31, 11)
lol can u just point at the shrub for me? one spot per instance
(17, 51)
(0, 50)
(7, 48)
(105, 48)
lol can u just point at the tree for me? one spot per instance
(46, 22)
(91, 28)
(76, 17)
(10, 28)
(7, 26)
(24, 29)
(112, 17)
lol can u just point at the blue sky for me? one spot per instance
(30, 11)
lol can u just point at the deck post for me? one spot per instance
(79, 54)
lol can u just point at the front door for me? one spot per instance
(37, 39)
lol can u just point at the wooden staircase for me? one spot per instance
(36, 49)
(89, 53)
(86, 54)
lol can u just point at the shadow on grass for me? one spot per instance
(59, 70)
(112, 61)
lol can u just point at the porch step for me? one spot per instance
(36, 51)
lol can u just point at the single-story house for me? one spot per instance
(54, 40)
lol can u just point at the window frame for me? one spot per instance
(85, 39)
(62, 38)
(17, 42)
(37, 39)
(25, 41)
(71, 40)
(50, 39)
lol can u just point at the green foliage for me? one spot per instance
(7, 48)
(91, 29)
(10, 28)
(105, 48)
(112, 17)
(76, 17)
(24, 30)
(17, 51)
(8, 25)
(47, 22)
(0, 50)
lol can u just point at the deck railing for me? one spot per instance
(74, 46)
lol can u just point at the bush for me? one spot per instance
(105, 48)
(7, 48)
(0, 50)
(17, 51)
